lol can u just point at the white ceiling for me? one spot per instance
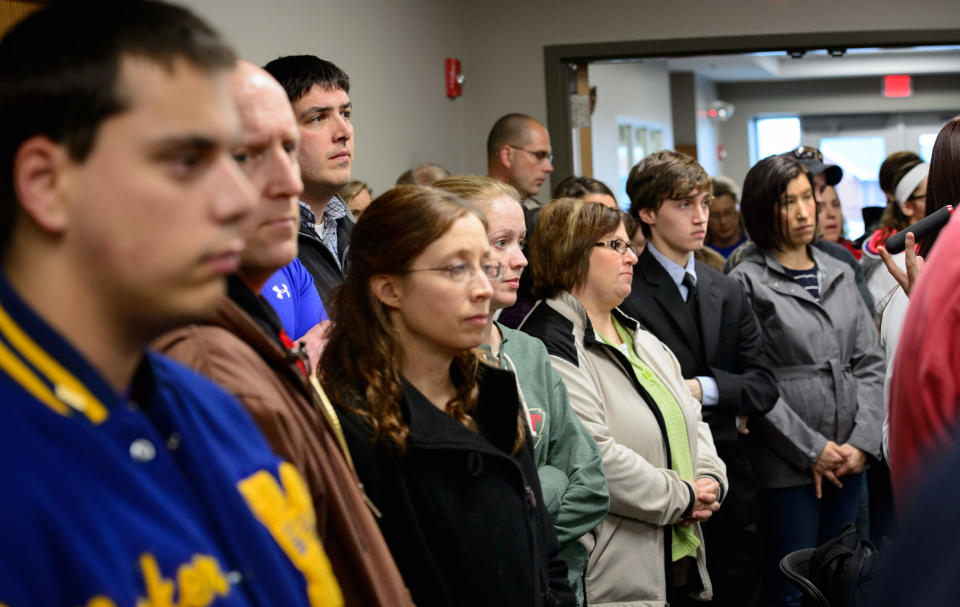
(819, 64)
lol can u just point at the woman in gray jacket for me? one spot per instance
(821, 344)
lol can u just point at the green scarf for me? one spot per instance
(685, 540)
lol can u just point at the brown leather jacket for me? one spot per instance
(241, 357)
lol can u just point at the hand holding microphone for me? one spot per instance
(905, 240)
(929, 224)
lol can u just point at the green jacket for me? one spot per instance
(567, 457)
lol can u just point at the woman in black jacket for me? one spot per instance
(437, 438)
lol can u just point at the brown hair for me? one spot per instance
(576, 186)
(891, 167)
(662, 175)
(943, 180)
(764, 191)
(360, 365)
(562, 242)
(893, 217)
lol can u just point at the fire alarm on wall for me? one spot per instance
(454, 77)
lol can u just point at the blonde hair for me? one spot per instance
(477, 190)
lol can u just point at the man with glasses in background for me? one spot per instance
(519, 153)
(704, 317)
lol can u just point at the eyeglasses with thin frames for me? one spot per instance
(464, 272)
(540, 155)
(619, 246)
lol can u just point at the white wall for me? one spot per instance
(503, 40)
(393, 53)
(630, 91)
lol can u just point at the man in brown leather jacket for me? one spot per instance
(245, 350)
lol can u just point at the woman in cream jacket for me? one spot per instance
(663, 473)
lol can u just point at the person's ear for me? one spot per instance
(909, 208)
(506, 156)
(647, 215)
(42, 173)
(388, 289)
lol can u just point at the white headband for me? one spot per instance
(910, 182)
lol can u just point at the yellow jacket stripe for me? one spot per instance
(67, 388)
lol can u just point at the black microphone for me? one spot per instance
(926, 226)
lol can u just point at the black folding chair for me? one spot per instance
(796, 566)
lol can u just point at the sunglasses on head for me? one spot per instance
(807, 153)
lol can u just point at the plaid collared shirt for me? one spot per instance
(326, 231)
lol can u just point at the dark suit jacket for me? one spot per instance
(731, 349)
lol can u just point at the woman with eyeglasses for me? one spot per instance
(438, 439)
(724, 227)
(568, 459)
(663, 472)
(819, 340)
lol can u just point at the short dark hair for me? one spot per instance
(297, 74)
(510, 129)
(662, 175)
(59, 71)
(764, 192)
(576, 186)
(563, 240)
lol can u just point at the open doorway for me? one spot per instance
(831, 92)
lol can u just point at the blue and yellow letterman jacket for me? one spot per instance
(167, 495)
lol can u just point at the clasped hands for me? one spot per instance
(707, 500)
(834, 462)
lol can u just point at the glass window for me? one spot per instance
(776, 135)
(926, 142)
(860, 158)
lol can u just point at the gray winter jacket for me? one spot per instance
(827, 363)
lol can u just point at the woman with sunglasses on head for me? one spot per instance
(663, 472)
(820, 342)
(568, 459)
(437, 438)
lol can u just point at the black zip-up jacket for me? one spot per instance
(463, 514)
(317, 258)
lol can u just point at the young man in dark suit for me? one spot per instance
(705, 319)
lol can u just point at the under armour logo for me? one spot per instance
(281, 291)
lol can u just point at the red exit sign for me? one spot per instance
(897, 86)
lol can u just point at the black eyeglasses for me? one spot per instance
(807, 153)
(540, 155)
(619, 246)
(464, 272)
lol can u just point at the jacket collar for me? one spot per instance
(667, 295)
(571, 308)
(829, 271)
(497, 412)
(49, 368)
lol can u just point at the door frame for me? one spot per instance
(557, 59)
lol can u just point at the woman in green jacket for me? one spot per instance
(568, 459)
